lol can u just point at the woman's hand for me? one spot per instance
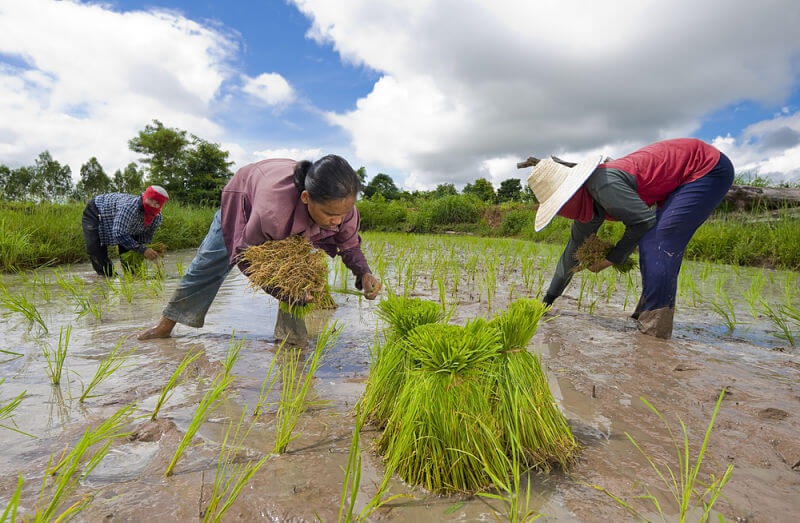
(599, 266)
(371, 286)
(150, 254)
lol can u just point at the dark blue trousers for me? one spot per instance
(662, 248)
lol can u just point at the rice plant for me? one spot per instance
(268, 384)
(66, 469)
(208, 404)
(689, 492)
(55, 359)
(231, 476)
(12, 355)
(172, 382)
(232, 354)
(10, 512)
(786, 318)
(21, 304)
(108, 365)
(296, 381)
(7, 412)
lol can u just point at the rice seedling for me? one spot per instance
(20, 303)
(172, 382)
(13, 355)
(67, 467)
(352, 473)
(209, 403)
(268, 384)
(232, 354)
(292, 270)
(7, 412)
(296, 381)
(690, 493)
(231, 477)
(10, 512)
(108, 365)
(781, 316)
(55, 359)
(724, 307)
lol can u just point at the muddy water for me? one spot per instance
(599, 368)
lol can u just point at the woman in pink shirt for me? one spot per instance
(272, 200)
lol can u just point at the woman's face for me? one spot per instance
(328, 215)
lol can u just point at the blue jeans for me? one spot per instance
(201, 282)
(662, 248)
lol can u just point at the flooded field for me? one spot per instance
(735, 330)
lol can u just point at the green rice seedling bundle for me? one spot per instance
(292, 270)
(460, 404)
(524, 399)
(390, 360)
(594, 250)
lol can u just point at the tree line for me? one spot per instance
(194, 171)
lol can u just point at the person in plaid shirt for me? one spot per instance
(126, 220)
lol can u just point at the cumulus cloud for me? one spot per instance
(270, 88)
(468, 86)
(81, 80)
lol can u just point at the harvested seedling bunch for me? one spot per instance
(460, 404)
(594, 250)
(292, 270)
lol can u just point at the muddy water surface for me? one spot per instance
(599, 366)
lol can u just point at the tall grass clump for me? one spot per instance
(462, 405)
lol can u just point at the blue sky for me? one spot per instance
(427, 91)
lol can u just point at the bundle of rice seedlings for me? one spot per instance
(390, 359)
(460, 405)
(525, 405)
(442, 422)
(594, 250)
(292, 270)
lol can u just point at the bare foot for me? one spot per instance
(162, 329)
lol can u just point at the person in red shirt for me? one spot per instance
(662, 193)
(272, 200)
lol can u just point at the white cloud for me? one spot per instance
(85, 80)
(270, 88)
(467, 84)
(311, 154)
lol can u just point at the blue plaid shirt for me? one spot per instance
(122, 221)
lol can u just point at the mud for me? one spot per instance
(600, 369)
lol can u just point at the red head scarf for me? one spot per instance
(157, 193)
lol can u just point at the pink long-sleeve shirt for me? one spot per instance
(261, 203)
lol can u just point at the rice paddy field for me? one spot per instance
(221, 423)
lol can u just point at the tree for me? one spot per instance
(52, 181)
(93, 180)
(191, 169)
(362, 177)
(482, 189)
(510, 190)
(444, 189)
(128, 181)
(19, 183)
(206, 168)
(384, 185)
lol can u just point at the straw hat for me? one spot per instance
(553, 184)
